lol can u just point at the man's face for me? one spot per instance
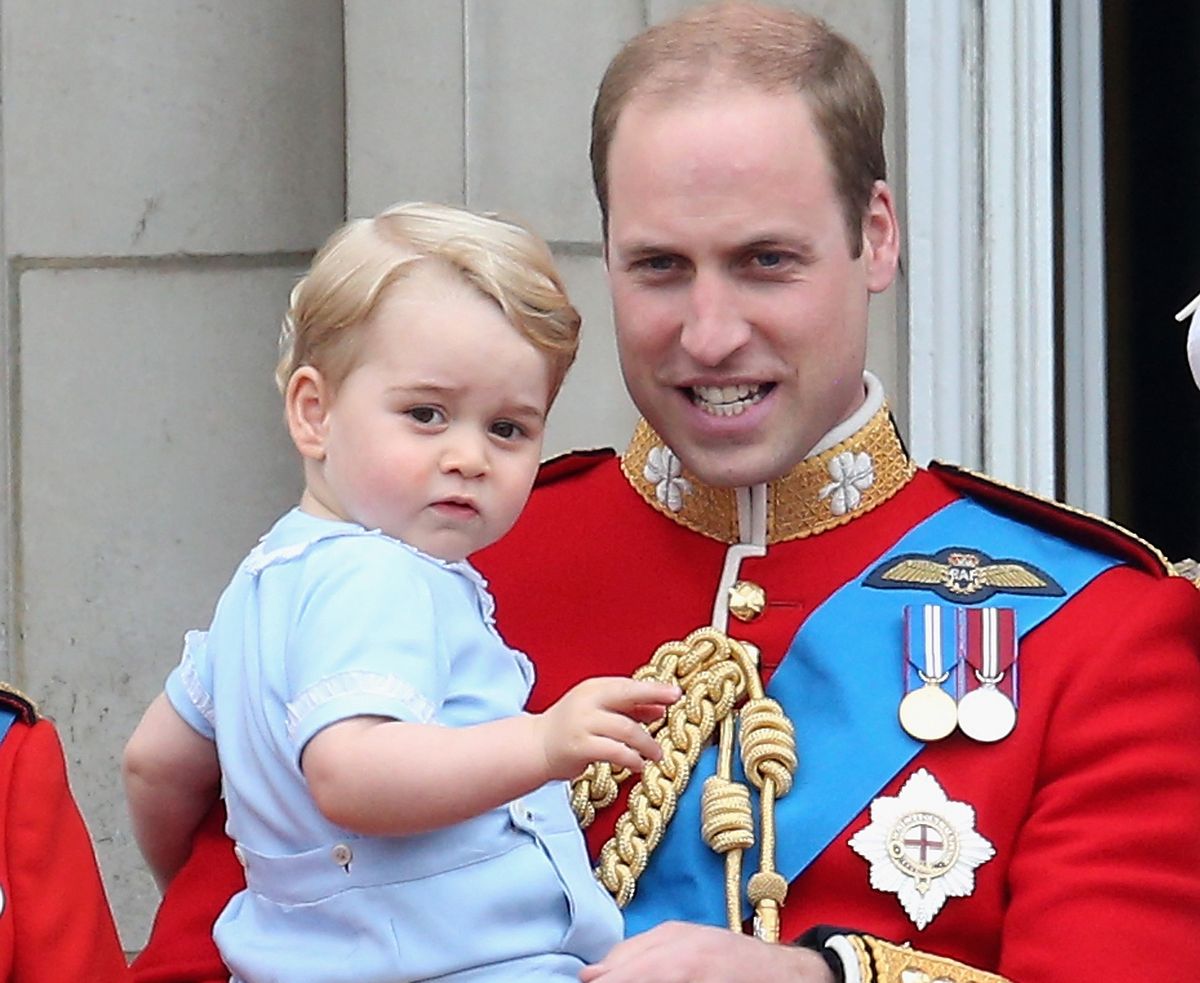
(741, 315)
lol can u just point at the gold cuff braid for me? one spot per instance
(884, 962)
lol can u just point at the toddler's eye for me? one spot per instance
(426, 414)
(506, 429)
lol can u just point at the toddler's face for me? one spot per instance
(436, 434)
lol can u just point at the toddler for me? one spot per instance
(397, 813)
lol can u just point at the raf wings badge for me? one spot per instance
(961, 575)
(922, 847)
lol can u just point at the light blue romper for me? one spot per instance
(324, 621)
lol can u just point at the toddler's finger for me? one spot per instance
(647, 713)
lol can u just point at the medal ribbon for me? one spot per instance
(931, 646)
(988, 638)
(838, 684)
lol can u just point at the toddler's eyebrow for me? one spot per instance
(529, 410)
(422, 390)
(418, 390)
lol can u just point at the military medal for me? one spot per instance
(922, 846)
(928, 712)
(987, 710)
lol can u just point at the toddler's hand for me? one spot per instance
(601, 720)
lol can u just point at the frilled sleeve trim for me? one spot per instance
(410, 703)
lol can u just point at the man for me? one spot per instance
(55, 923)
(979, 733)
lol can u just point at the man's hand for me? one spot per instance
(601, 720)
(676, 952)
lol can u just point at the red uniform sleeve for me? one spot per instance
(1104, 881)
(181, 948)
(61, 924)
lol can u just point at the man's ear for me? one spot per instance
(881, 239)
(306, 403)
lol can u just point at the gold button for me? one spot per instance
(342, 855)
(747, 600)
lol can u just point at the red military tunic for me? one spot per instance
(55, 924)
(1090, 804)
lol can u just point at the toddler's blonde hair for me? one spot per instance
(502, 259)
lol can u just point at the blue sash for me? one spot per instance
(841, 682)
(7, 717)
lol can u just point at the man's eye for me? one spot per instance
(769, 260)
(506, 429)
(425, 414)
(656, 264)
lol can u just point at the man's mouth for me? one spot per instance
(728, 400)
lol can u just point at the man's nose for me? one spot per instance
(713, 326)
(466, 454)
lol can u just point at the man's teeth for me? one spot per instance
(727, 400)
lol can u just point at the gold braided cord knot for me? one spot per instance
(768, 746)
(727, 822)
(768, 743)
(767, 886)
(595, 789)
(713, 672)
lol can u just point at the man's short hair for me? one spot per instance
(767, 48)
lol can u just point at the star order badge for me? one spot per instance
(922, 847)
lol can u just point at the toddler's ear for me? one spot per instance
(306, 404)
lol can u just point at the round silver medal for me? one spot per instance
(986, 714)
(928, 713)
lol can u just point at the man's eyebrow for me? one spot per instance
(641, 250)
(802, 246)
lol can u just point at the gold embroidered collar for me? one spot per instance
(822, 492)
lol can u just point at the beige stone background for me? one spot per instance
(166, 169)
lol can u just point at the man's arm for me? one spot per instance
(1104, 880)
(181, 947)
(172, 778)
(59, 916)
(677, 952)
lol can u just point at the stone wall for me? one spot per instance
(166, 170)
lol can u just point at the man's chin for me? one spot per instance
(735, 468)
